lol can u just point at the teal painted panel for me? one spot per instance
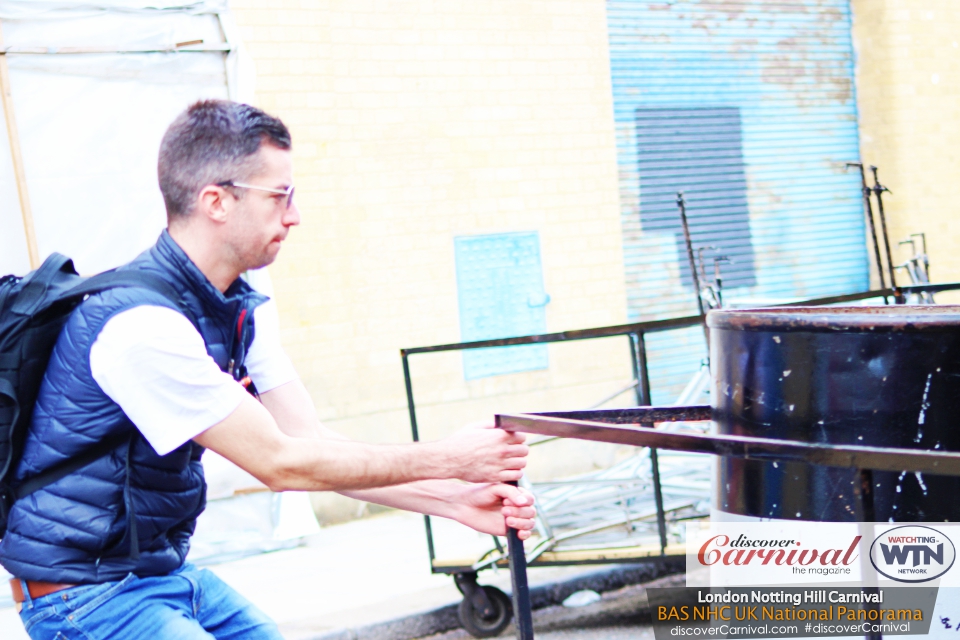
(787, 69)
(500, 291)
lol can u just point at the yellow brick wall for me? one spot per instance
(415, 122)
(908, 94)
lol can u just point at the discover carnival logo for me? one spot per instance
(912, 553)
(725, 550)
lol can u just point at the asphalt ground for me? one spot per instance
(624, 632)
(619, 614)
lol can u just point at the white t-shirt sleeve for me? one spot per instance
(152, 362)
(267, 363)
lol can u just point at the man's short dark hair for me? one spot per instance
(213, 141)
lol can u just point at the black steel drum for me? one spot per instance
(887, 376)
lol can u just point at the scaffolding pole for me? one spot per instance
(13, 137)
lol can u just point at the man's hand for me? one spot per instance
(491, 508)
(483, 453)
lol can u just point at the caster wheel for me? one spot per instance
(486, 626)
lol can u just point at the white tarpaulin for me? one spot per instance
(93, 87)
(90, 119)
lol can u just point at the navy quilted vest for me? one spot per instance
(78, 530)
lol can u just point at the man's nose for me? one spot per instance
(292, 216)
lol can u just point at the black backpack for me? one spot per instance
(33, 310)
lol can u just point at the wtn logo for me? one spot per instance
(899, 554)
(912, 553)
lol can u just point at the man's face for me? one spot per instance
(260, 220)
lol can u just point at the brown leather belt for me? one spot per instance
(36, 589)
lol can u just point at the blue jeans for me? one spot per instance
(187, 604)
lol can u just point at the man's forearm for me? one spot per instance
(488, 508)
(295, 415)
(293, 410)
(430, 497)
(343, 465)
(250, 438)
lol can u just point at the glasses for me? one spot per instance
(283, 192)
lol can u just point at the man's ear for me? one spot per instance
(213, 203)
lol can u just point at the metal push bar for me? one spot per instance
(604, 425)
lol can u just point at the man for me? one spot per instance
(100, 554)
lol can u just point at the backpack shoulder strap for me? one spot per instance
(65, 468)
(130, 278)
(134, 279)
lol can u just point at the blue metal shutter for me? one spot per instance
(500, 291)
(749, 107)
